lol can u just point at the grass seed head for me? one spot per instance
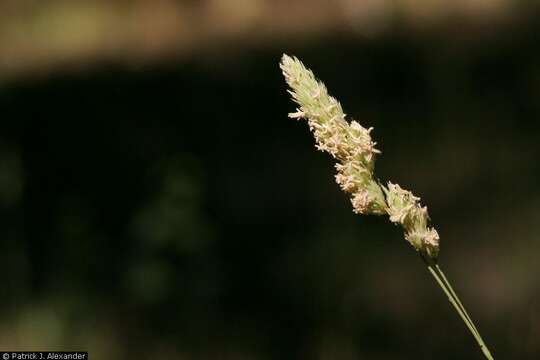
(354, 150)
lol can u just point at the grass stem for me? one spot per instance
(443, 282)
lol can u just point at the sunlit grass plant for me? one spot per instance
(354, 151)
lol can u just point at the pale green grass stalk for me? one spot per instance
(350, 144)
(445, 285)
(476, 333)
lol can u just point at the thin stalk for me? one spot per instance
(443, 282)
(449, 287)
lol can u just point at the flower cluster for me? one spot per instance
(351, 145)
(404, 209)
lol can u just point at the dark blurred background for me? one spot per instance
(156, 201)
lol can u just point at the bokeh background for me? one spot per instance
(156, 201)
